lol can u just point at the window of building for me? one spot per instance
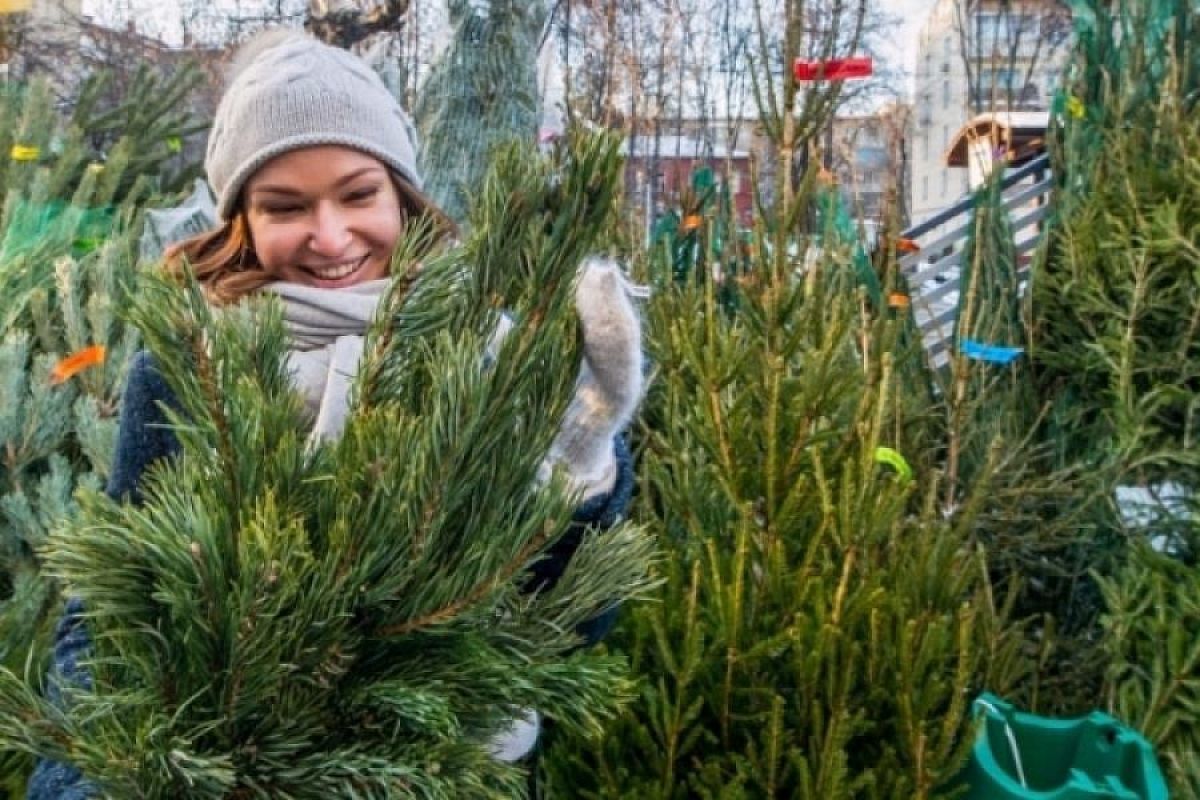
(945, 136)
(945, 183)
(924, 187)
(991, 32)
(1006, 32)
(1027, 27)
(945, 94)
(997, 85)
(1001, 78)
(925, 137)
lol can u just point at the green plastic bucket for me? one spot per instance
(1020, 756)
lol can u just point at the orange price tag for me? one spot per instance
(898, 300)
(691, 222)
(75, 363)
(907, 246)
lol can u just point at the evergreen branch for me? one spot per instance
(477, 593)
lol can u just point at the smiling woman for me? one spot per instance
(313, 166)
(324, 216)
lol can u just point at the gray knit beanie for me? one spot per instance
(287, 91)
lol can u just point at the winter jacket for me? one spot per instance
(144, 438)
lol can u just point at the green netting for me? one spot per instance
(34, 237)
(30, 225)
(1129, 56)
(837, 221)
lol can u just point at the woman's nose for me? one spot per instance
(330, 233)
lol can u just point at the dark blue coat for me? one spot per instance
(143, 438)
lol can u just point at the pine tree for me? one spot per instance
(347, 619)
(481, 94)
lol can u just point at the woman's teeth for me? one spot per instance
(337, 271)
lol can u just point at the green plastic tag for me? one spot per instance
(888, 456)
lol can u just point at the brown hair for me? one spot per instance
(225, 263)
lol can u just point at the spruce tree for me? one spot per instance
(1150, 638)
(481, 93)
(1117, 359)
(1115, 299)
(72, 190)
(349, 619)
(821, 625)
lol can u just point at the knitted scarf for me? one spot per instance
(326, 327)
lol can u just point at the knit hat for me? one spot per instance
(287, 91)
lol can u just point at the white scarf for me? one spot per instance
(326, 327)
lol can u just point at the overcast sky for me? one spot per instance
(900, 47)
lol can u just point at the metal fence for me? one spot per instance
(933, 271)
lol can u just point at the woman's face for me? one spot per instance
(325, 216)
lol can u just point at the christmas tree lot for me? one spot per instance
(835, 548)
(74, 188)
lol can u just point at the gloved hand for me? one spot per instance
(609, 386)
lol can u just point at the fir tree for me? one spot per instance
(1117, 305)
(821, 625)
(480, 94)
(348, 619)
(1117, 295)
(67, 265)
(1153, 649)
(988, 320)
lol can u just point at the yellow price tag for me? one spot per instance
(95, 167)
(1075, 106)
(23, 152)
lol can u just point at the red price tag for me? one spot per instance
(834, 69)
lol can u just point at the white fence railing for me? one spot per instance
(933, 271)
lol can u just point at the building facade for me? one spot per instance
(869, 160)
(659, 169)
(976, 56)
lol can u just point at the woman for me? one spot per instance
(313, 165)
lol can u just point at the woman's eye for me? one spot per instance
(362, 195)
(282, 210)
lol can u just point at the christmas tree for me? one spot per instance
(291, 617)
(821, 624)
(480, 94)
(68, 247)
(1116, 305)
(1115, 299)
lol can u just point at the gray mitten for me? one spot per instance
(609, 386)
